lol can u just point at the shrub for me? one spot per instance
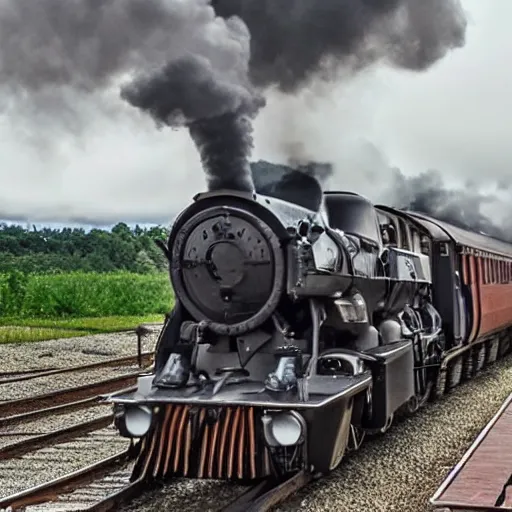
(84, 294)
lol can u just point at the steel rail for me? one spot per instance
(259, 498)
(120, 361)
(121, 497)
(268, 493)
(57, 409)
(25, 372)
(56, 436)
(67, 395)
(49, 491)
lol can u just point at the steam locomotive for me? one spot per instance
(304, 322)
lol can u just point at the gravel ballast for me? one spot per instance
(402, 470)
(42, 385)
(52, 423)
(66, 352)
(57, 460)
(397, 472)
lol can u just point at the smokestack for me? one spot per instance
(299, 186)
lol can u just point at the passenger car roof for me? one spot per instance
(466, 238)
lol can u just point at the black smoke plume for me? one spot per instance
(300, 184)
(85, 45)
(295, 41)
(427, 193)
(50, 47)
(224, 144)
(215, 105)
(197, 69)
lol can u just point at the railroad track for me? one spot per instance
(33, 409)
(37, 440)
(36, 435)
(38, 443)
(112, 471)
(21, 375)
(105, 486)
(30, 410)
(101, 486)
(10, 377)
(72, 397)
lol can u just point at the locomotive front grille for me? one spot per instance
(204, 442)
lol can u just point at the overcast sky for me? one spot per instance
(453, 118)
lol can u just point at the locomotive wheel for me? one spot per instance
(492, 351)
(412, 405)
(384, 429)
(468, 365)
(504, 346)
(409, 408)
(454, 373)
(480, 358)
(440, 386)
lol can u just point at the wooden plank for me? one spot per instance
(477, 481)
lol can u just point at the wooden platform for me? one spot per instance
(482, 480)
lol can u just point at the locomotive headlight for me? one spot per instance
(283, 428)
(137, 420)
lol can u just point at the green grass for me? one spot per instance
(14, 330)
(84, 295)
(18, 334)
(99, 324)
(35, 307)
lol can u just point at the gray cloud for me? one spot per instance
(81, 47)
(464, 207)
(454, 117)
(295, 42)
(85, 45)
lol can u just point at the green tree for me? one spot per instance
(49, 250)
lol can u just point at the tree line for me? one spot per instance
(50, 250)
